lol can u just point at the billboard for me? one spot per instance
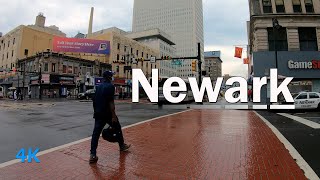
(62, 44)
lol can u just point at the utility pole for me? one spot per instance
(40, 79)
(199, 64)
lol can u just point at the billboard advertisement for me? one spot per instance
(62, 44)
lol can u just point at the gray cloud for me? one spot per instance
(224, 21)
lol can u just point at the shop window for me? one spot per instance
(70, 70)
(296, 6)
(46, 67)
(64, 69)
(53, 69)
(308, 39)
(313, 96)
(281, 42)
(302, 96)
(280, 6)
(309, 6)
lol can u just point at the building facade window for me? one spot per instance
(64, 69)
(309, 6)
(308, 39)
(280, 43)
(280, 6)
(53, 69)
(12, 53)
(296, 6)
(137, 53)
(118, 46)
(118, 57)
(141, 54)
(46, 67)
(75, 70)
(14, 40)
(8, 43)
(70, 69)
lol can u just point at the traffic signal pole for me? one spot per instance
(199, 64)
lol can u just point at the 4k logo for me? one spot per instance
(31, 155)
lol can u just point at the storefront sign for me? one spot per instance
(66, 80)
(314, 64)
(61, 44)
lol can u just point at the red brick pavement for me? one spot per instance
(198, 144)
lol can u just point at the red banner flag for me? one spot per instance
(238, 52)
(246, 61)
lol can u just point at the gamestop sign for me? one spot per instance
(61, 44)
(314, 64)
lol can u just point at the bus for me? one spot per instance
(161, 99)
(1, 92)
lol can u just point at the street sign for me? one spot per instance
(153, 60)
(127, 68)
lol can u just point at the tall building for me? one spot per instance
(213, 64)
(285, 34)
(158, 40)
(181, 19)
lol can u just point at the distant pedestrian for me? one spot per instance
(250, 95)
(54, 94)
(15, 95)
(29, 94)
(104, 113)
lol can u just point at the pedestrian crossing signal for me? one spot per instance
(194, 67)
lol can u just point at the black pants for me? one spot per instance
(98, 127)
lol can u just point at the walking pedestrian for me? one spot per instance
(29, 94)
(104, 113)
(54, 94)
(15, 95)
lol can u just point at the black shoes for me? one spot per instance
(125, 147)
(93, 159)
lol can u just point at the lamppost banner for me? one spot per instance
(62, 44)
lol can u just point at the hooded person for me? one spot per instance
(104, 113)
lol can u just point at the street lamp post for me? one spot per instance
(276, 26)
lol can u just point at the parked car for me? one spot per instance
(87, 95)
(306, 100)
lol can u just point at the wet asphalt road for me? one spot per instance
(46, 125)
(304, 139)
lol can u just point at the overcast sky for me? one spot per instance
(224, 21)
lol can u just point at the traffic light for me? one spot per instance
(194, 66)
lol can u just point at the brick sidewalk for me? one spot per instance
(198, 144)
